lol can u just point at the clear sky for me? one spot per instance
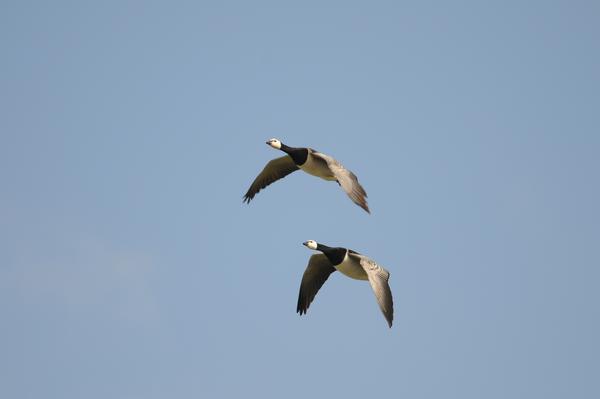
(129, 267)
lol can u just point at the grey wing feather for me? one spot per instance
(273, 171)
(347, 180)
(317, 272)
(378, 278)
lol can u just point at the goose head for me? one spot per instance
(275, 143)
(311, 244)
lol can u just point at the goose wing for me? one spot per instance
(378, 278)
(273, 171)
(347, 180)
(317, 272)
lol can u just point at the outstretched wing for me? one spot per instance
(317, 272)
(378, 278)
(273, 171)
(347, 180)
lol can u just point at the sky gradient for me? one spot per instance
(129, 267)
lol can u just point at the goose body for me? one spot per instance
(316, 166)
(349, 263)
(350, 266)
(312, 162)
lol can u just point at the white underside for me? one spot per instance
(352, 268)
(317, 168)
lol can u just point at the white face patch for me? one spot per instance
(312, 244)
(274, 143)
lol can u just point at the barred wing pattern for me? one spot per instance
(347, 180)
(378, 278)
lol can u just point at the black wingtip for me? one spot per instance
(301, 308)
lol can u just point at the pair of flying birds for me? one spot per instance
(320, 266)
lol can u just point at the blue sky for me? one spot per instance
(129, 267)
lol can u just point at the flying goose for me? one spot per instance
(312, 162)
(350, 263)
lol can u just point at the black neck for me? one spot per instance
(299, 155)
(335, 255)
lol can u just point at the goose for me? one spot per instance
(350, 263)
(312, 162)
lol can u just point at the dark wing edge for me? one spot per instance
(317, 272)
(276, 169)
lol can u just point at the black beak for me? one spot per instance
(268, 142)
(305, 243)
